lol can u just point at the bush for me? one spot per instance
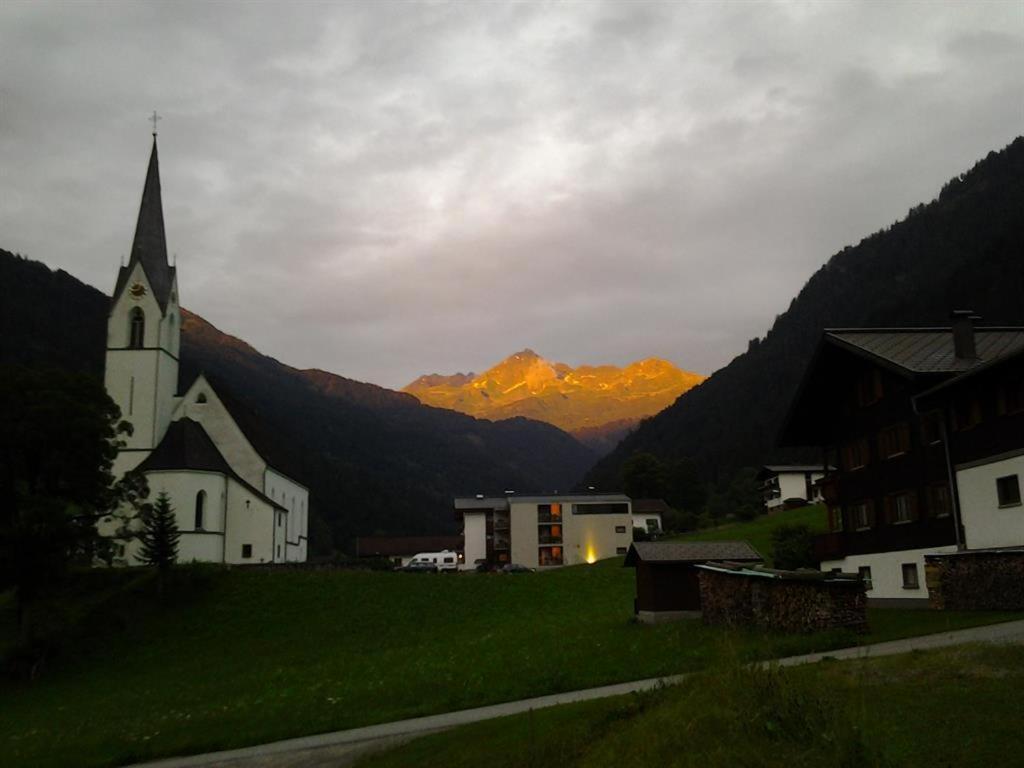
(793, 547)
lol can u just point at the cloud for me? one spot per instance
(387, 189)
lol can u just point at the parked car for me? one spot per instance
(482, 566)
(418, 567)
(516, 568)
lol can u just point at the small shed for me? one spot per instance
(667, 584)
(738, 594)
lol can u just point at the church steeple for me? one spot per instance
(149, 248)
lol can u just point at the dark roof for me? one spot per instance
(933, 396)
(926, 350)
(648, 506)
(925, 356)
(186, 445)
(150, 244)
(390, 546)
(690, 552)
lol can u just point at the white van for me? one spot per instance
(445, 560)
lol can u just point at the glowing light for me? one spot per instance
(591, 554)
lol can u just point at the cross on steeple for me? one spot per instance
(153, 120)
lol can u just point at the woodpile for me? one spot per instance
(981, 580)
(786, 601)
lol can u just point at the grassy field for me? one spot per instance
(958, 706)
(240, 657)
(759, 530)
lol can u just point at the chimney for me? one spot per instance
(963, 334)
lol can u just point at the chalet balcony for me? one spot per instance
(893, 537)
(501, 524)
(549, 540)
(548, 517)
(500, 543)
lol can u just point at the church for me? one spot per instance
(232, 505)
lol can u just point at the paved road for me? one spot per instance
(342, 748)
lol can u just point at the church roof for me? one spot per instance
(149, 248)
(186, 445)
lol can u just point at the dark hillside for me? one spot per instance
(376, 461)
(963, 250)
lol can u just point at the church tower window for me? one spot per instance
(137, 329)
(200, 504)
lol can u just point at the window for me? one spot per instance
(201, 398)
(910, 576)
(865, 573)
(136, 328)
(620, 529)
(900, 507)
(278, 551)
(246, 551)
(617, 508)
(860, 515)
(449, 559)
(894, 441)
(620, 550)
(200, 505)
(855, 454)
(1008, 489)
(869, 388)
(653, 525)
(938, 501)
(548, 512)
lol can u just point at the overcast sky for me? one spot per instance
(389, 189)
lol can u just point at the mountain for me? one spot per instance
(376, 461)
(596, 404)
(964, 249)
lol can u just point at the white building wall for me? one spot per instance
(985, 523)
(250, 521)
(640, 520)
(524, 534)
(589, 538)
(204, 544)
(474, 537)
(295, 498)
(793, 485)
(887, 571)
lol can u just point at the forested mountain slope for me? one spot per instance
(963, 250)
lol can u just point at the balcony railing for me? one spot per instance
(547, 517)
(550, 540)
(501, 543)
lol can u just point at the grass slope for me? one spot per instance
(242, 656)
(759, 530)
(950, 707)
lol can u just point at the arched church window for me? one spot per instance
(201, 397)
(200, 504)
(137, 329)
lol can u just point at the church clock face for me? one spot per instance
(138, 290)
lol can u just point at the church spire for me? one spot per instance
(149, 248)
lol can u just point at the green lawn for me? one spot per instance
(242, 656)
(951, 707)
(759, 530)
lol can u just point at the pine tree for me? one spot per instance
(159, 537)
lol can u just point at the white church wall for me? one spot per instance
(205, 544)
(222, 429)
(250, 521)
(294, 498)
